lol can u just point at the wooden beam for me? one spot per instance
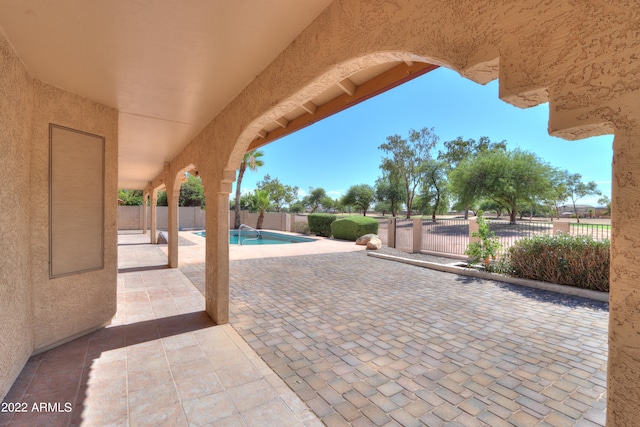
(263, 133)
(310, 107)
(396, 76)
(282, 122)
(347, 87)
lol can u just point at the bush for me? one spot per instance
(563, 259)
(320, 224)
(301, 227)
(352, 227)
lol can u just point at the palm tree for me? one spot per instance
(260, 202)
(251, 160)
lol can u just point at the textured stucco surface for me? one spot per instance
(36, 311)
(16, 107)
(68, 305)
(581, 57)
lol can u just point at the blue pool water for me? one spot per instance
(266, 238)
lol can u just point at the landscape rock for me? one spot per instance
(163, 238)
(374, 243)
(363, 240)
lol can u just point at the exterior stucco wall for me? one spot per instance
(70, 305)
(16, 108)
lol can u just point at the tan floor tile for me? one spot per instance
(192, 368)
(149, 378)
(270, 414)
(233, 375)
(252, 394)
(152, 399)
(207, 409)
(198, 386)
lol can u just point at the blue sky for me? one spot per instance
(342, 150)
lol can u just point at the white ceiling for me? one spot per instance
(168, 66)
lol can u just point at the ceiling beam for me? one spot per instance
(396, 76)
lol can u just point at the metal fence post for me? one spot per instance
(417, 235)
(391, 233)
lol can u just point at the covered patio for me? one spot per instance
(128, 94)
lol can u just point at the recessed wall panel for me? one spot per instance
(76, 201)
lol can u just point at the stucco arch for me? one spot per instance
(579, 56)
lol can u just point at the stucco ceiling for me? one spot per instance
(168, 66)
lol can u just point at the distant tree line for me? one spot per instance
(463, 175)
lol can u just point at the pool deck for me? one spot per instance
(362, 342)
(190, 254)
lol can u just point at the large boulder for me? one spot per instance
(163, 238)
(374, 243)
(363, 240)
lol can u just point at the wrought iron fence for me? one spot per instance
(508, 233)
(596, 231)
(445, 235)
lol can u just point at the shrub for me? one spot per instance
(301, 227)
(320, 224)
(563, 259)
(487, 248)
(352, 227)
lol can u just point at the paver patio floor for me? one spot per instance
(365, 341)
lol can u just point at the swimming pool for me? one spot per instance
(266, 238)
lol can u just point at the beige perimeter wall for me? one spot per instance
(16, 110)
(35, 311)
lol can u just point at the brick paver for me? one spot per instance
(369, 342)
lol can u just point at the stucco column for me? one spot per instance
(153, 229)
(217, 253)
(623, 394)
(173, 194)
(145, 197)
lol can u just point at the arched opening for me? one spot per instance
(480, 326)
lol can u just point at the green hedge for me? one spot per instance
(563, 259)
(320, 223)
(352, 227)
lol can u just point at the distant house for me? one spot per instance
(581, 210)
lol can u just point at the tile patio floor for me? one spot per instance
(367, 342)
(362, 341)
(162, 362)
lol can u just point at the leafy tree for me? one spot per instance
(434, 185)
(576, 189)
(260, 202)
(360, 196)
(315, 198)
(279, 193)
(390, 189)
(458, 150)
(406, 158)
(507, 177)
(252, 161)
(328, 203)
(558, 191)
(605, 201)
(489, 205)
(296, 207)
(382, 207)
(130, 197)
(162, 198)
(192, 192)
